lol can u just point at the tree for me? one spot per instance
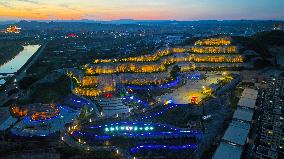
(175, 71)
(26, 82)
(85, 112)
(261, 63)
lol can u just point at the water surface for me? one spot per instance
(16, 63)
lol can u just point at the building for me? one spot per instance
(250, 93)
(13, 29)
(113, 106)
(233, 141)
(248, 98)
(243, 115)
(236, 136)
(228, 151)
(247, 103)
(237, 133)
(263, 152)
(271, 134)
(279, 26)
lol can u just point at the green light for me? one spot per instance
(129, 128)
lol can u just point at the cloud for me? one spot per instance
(67, 6)
(29, 1)
(64, 5)
(6, 4)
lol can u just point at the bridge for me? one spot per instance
(5, 74)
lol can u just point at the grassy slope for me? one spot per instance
(50, 92)
(261, 42)
(8, 50)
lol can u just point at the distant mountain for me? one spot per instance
(239, 26)
(8, 22)
(132, 21)
(122, 21)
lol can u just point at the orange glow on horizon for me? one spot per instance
(79, 11)
(140, 10)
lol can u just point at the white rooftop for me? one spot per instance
(243, 114)
(237, 133)
(228, 151)
(247, 102)
(113, 106)
(250, 93)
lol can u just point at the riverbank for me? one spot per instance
(8, 51)
(18, 65)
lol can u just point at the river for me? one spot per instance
(18, 61)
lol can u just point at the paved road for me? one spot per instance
(22, 72)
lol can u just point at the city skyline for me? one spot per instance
(146, 10)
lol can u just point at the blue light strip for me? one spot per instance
(169, 107)
(28, 119)
(161, 135)
(156, 134)
(152, 87)
(105, 137)
(68, 109)
(138, 123)
(162, 147)
(172, 131)
(80, 101)
(134, 124)
(194, 76)
(130, 98)
(128, 128)
(80, 134)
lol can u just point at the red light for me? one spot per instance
(109, 95)
(72, 35)
(130, 91)
(194, 100)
